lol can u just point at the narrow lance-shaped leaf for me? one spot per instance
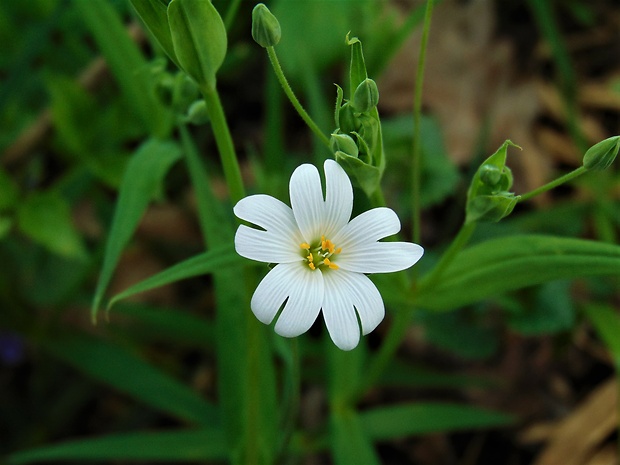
(144, 174)
(424, 418)
(505, 264)
(126, 372)
(129, 67)
(199, 265)
(155, 17)
(179, 445)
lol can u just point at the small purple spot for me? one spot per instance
(11, 348)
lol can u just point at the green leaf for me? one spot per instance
(9, 191)
(46, 219)
(505, 264)
(143, 177)
(155, 17)
(202, 264)
(401, 374)
(199, 38)
(181, 445)
(128, 373)
(606, 320)
(128, 65)
(148, 323)
(550, 310)
(398, 421)
(350, 442)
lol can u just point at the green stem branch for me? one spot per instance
(561, 180)
(417, 112)
(403, 317)
(224, 142)
(291, 96)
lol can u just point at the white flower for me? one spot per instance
(321, 256)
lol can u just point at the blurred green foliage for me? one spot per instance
(116, 142)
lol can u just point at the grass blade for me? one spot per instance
(144, 174)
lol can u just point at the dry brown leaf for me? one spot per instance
(470, 80)
(580, 434)
(608, 455)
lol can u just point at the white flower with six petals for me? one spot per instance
(321, 257)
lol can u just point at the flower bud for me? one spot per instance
(266, 30)
(491, 208)
(345, 144)
(347, 119)
(490, 175)
(199, 39)
(601, 155)
(197, 113)
(366, 96)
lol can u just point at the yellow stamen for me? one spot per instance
(338, 250)
(331, 265)
(304, 245)
(310, 258)
(311, 265)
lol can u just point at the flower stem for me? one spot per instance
(377, 199)
(291, 96)
(403, 317)
(417, 112)
(561, 180)
(224, 143)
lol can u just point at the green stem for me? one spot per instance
(377, 199)
(291, 96)
(403, 317)
(292, 406)
(417, 112)
(231, 13)
(224, 143)
(455, 247)
(561, 180)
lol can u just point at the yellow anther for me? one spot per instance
(333, 266)
(310, 258)
(304, 245)
(338, 250)
(311, 265)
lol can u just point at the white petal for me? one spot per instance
(304, 303)
(367, 227)
(266, 246)
(307, 201)
(272, 292)
(338, 198)
(361, 292)
(270, 214)
(339, 312)
(380, 257)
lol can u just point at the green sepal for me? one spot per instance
(198, 113)
(358, 72)
(488, 198)
(363, 175)
(366, 96)
(343, 143)
(153, 14)
(199, 39)
(491, 208)
(600, 156)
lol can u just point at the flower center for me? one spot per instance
(319, 255)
